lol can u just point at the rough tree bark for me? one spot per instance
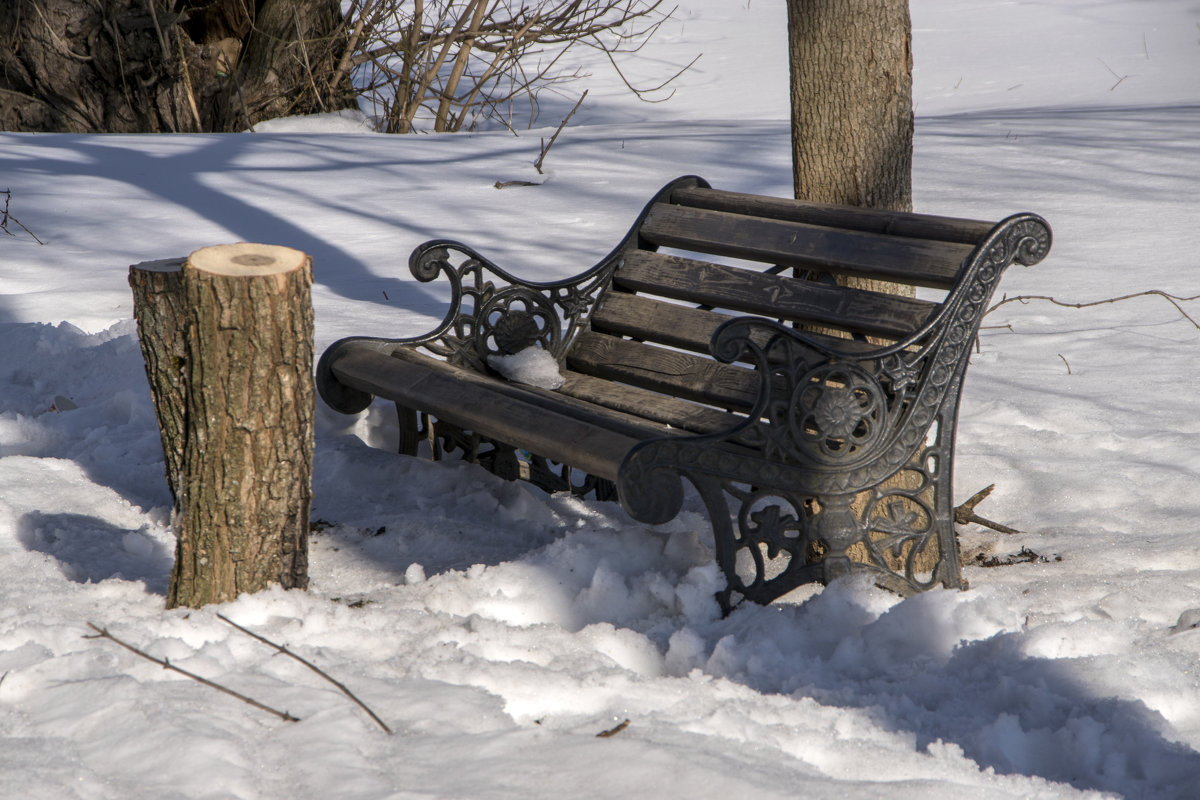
(241, 315)
(851, 93)
(158, 308)
(852, 127)
(162, 66)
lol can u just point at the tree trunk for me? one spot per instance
(242, 317)
(851, 91)
(290, 61)
(852, 131)
(163, 66)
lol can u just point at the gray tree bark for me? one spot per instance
(851, 93)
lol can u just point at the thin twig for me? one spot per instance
(546, 148)
(613, 731)
(1068, 363)
(307, 66)
(965, 513)
(102, 633)
(310, 665)
(162, 40)
(187, 84)
(5, 217)
(1120, 78)
(1174, 300)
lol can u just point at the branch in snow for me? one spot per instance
(613, 731)
(965, 513)
(102, 633)
(1174, 300)
(5, 217)
(311, 666)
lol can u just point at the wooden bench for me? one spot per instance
(815, 422)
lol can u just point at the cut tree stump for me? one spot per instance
(228, 340)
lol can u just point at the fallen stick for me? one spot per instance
(546, 147)
(613, 731)
(311, 666)
(1174, 300)
(102, 633)
(965, 513)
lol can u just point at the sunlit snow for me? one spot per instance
(497, 629)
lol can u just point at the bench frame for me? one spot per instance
(841, 464)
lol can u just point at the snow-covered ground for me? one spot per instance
(497, 629)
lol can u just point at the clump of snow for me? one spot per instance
(349, 120)
(532, 366)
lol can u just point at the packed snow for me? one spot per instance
(533, 366)
(497, 630)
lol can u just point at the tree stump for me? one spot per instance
(228, 338)
(158, 308)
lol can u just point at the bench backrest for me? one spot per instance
(700, 256)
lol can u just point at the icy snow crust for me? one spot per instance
(497, 629)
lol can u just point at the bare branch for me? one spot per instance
(308, 664)
(965, 513)
(1174, 300)
(546, 148)
(5, 216)
(459, 61)
(102, 633)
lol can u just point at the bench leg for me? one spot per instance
(769, 541)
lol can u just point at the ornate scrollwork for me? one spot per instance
(828, 429)
(836, 410)
(493, 313)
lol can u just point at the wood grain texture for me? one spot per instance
(647, 319)
(744, 291)
(505, 412)
(870, 220)
(670, 372)
(913, 262)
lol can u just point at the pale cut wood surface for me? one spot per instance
(245, 259)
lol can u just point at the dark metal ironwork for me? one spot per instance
(807, 471)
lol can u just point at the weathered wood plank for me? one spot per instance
(646, 319)
(918, 262)
(642, 403)
(774, 296)
(667, 371)
(917, 226)
(486, 406)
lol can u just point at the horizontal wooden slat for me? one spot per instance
(679, 414)
(775, 296)
(667, 371)
(490, 407)
(917, 226)
(916, 262)
(644, 318)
